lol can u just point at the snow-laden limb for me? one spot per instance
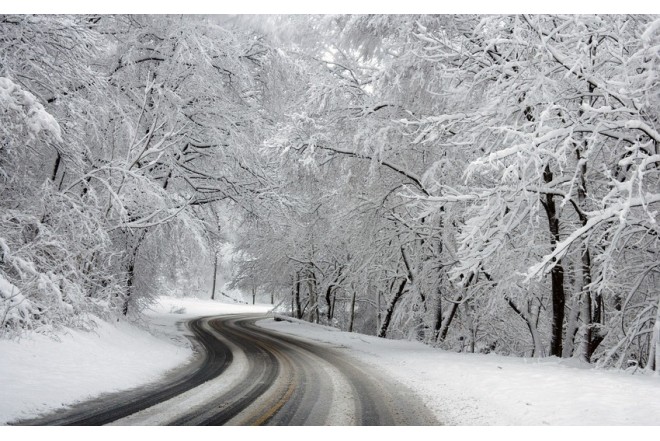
(13, 98)
(155, 218)
(129, 126)
(24, 123)
(575, 68)
(16, 308)
(520, 130)
(568, 133)
(644, 127)
(618, 211)
(53, 281)
(400, 174)
(531, 143)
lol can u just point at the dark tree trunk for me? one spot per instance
(129, 286)
(390, 309)
(352, 316)
(437, 321)
(130, 272)
(334, 300)
(591, 309)
(536, 339)
(378, 314)
(591, 316)
(215, 274)
(450, 317)
(446, 322)
(313, 298)
(557, 273)
(56, 167)
(329, 297)
(328, 300)
(297, 296)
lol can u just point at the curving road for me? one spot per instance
(254, 376)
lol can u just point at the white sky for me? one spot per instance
(334, 6)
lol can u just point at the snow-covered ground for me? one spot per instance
(40, 374)
(476, 389)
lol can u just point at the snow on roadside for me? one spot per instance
(39, 374)
(478, 389)
(192, 307)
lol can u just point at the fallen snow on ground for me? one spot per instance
(40, 374)
(477, 389)
(191, 307)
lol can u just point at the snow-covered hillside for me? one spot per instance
(40, 374)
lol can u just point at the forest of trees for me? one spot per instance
(477, 183)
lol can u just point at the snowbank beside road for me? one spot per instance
(39, 374)
(477, 389)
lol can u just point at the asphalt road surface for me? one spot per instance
(247, 375)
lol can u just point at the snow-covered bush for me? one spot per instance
(53, 250)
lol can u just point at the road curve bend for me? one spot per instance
(254, 376)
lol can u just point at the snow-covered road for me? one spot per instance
(247, 375)
(38, 374)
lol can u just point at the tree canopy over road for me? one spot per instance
(478, 183)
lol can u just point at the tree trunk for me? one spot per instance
(444, 326)
(129, 286)
(536, 338)
(571, 329)
(329, 297)
(444, 329)
(297, 296)
(557, 273)
(328, 300)
(471, 324)
(215, 275)
(352, 315)
(654, 351)
(313, 298)
(378, 314)
(591, 311)
(390, 309)
(585, 258)
(334, 300)
(56, 167)
(437, 321)
(416, 288)
(130, 271)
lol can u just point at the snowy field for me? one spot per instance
(39, 374)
